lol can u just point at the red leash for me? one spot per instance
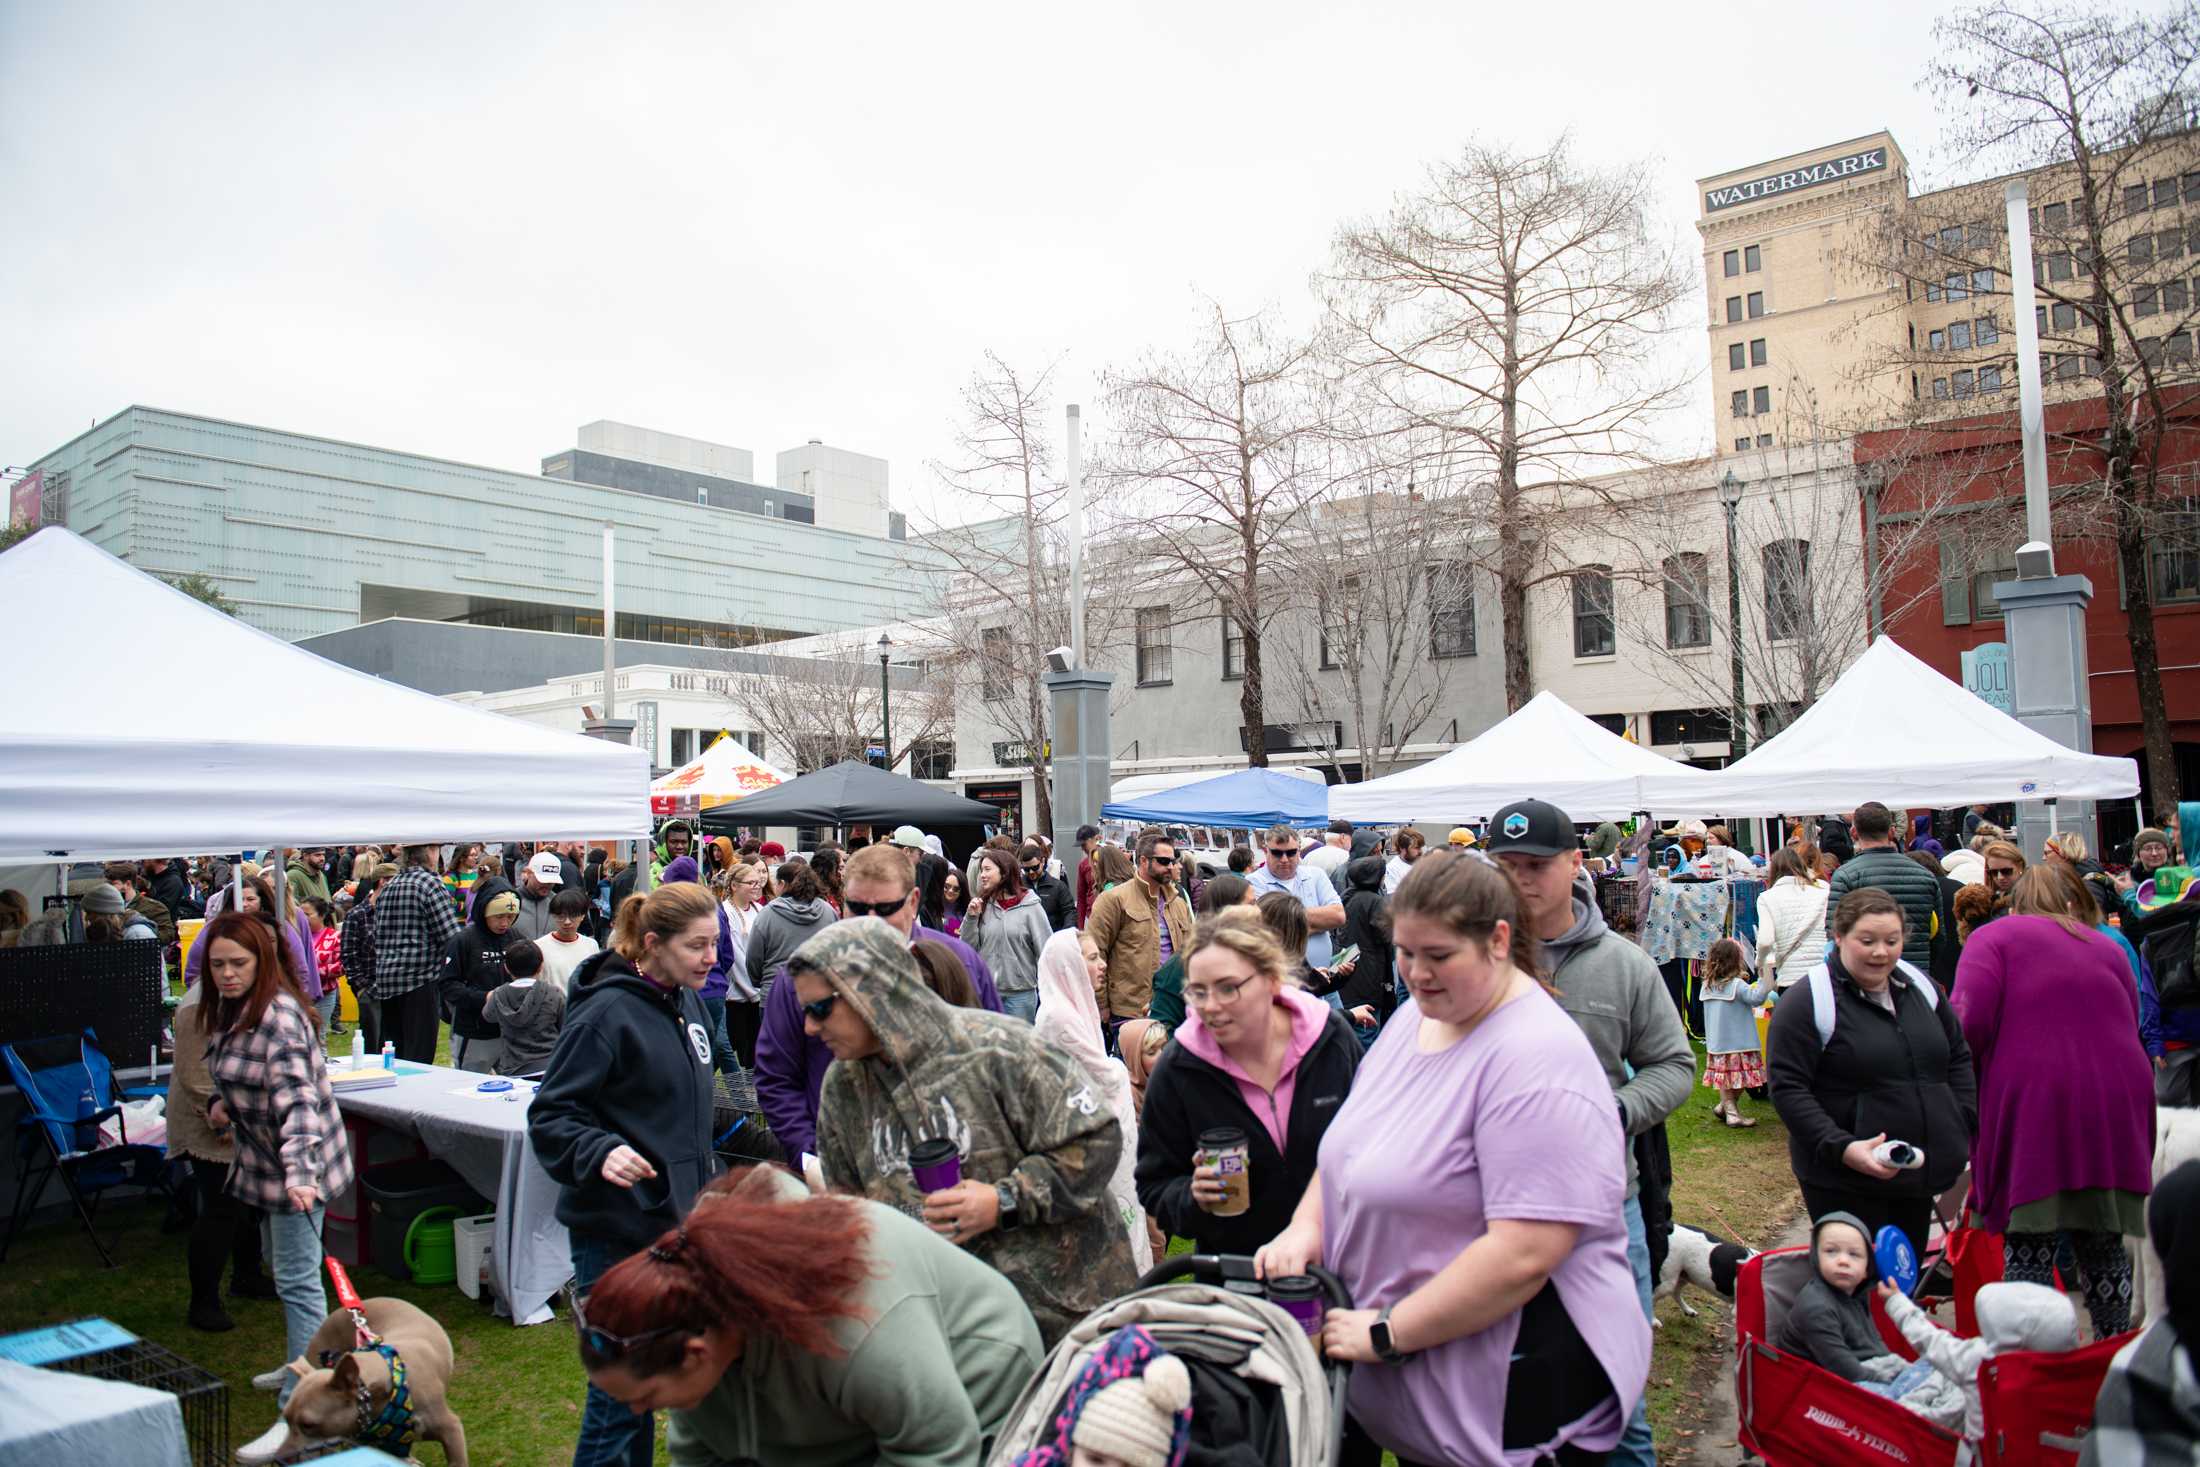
(348, 1297)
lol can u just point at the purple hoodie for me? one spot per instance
(301, 949)
(790, 1065)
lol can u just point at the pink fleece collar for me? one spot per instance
(1309, 1017)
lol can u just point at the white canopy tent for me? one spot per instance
(720, 775)
(223, 738)
(1893, 730)
(1544, 751)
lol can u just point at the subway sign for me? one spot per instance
(1833, 170)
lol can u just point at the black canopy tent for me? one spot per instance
(850, 793)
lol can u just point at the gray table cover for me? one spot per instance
(56, 1419)
(485, 1141)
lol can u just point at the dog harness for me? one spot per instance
(393, 1428)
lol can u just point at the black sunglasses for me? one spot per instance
(605, 1345)
(1162, 860)
(822, 1009)
(1279, 853)
(874, 909)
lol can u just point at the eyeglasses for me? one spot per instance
(603, 1343)
(1031, 871)
(1280, 853)
(2001, 871)
(822, 1009)
(874, 909)
(1221, 993)
(1162, 860)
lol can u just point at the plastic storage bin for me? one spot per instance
(400, 1192)
(475, 1241)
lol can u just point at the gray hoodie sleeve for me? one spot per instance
(1657, 1049)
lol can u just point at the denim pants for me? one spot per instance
(294, 1257)
(1635, 1443)
(1023, 1003)
(721, 1044)
(611, 1435)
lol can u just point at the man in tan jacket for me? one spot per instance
(1137, 926)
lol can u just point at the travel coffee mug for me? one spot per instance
(936, 1165)
(1225, 1150)
(1301, 1298)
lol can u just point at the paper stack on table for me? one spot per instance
(366, 1077)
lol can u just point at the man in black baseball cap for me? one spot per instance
(1614, 992)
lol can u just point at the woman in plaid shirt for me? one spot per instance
(272, 1095)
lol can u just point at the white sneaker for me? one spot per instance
(270, 1380)
(267, 1445)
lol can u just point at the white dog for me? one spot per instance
(2176, 1141)
(1708, 1261)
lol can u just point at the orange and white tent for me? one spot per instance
(723, 773)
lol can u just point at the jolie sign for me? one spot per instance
(1833, 170)
(1986, 673)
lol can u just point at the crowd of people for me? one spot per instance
(1001, 1087)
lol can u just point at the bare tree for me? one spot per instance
(1385, 582)
(826, 708)
(2101, 102)
(1217, 455)
(1509, 315)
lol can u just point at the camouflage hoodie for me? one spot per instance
(1018, 1110)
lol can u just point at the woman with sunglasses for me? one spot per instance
(778, 1327)
(622, 1121)
(1258, 1056)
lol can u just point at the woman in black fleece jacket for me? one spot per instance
(1256, 1054)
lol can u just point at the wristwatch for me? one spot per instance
(1378, 1335)
(1007, 1195)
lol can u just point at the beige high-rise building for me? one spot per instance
(1840, 302)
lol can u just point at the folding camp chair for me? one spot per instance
(54, 1074)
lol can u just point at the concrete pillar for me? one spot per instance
(2049, 690)
(1084, 755)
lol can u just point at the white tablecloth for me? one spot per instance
(484, 1140)
(57, 1419)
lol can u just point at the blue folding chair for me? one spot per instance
(53, 1075)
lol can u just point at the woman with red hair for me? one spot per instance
(781, 1327)
(272, 1093)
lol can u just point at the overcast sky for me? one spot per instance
(464, 230)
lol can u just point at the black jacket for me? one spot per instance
(1907, 1074)
(1055, 897)
(1185, 1095)
(632, 1068)
(473, 968)
(1833, 835)
(173, 892)
(1367, 925)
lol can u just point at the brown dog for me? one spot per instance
(325, 1404)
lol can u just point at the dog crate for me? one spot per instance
(740, 1135)
(203, 1395)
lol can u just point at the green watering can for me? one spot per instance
(431, 1251)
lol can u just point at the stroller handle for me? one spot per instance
(1225, 1268)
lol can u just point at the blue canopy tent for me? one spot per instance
(1250, 797)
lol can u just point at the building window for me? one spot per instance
(1450, 610)
(1741, 444)
(2001, 566)
(1690, 726)
(1687, 609)
(2135, 198)
(1752, 259)
(2192, 188)
(2140, 251)
(1982, 282)
(996, 657)
(1787, 589)
(1986, 332)
(1593, 611)
(1758, 356)
(1760, 400)
(1733, 308)
(1962, 382)
(1989, 379)
(2177, 349)
(1764, 440)
(1339, 637)
(2147, 301)
(2064, 315)
(2173, 556)
(1736, 357)
(2055, 218)
(1956, 287)
(1959, 336)
(1932, 292)
(1154, 648)
(1936, 341)
(1733, 263)
(2165, 193)
(2058, 266)
(1940, 387)
(683, 746)
(1233, 648)
(1756, 304)
(2176, 296)
(932, 759)
(2169, 244)
(1741, 402)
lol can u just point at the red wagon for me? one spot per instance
(2036, 1407)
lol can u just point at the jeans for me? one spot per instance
(721, 1045)
(327, 1003)
(611, 1435)
(1023, 1003)
(1635, 1443)
(294, 1254)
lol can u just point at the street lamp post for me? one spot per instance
(1730, 496)
(885, 700)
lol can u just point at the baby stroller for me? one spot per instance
(1255, 1373)
(2036, 1407)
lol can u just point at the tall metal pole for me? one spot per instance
(886, 707)
(1737, 734)
(2031, 412)
(611, 631)
(1076, 537)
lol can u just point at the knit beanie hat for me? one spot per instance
(1135, 1419)
(2160, 837)
(503, 904)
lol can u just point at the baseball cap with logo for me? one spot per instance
(546, 868)
(1531, 828)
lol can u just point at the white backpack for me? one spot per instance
(1821, 995)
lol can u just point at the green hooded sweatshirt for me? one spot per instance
(927, 1379)
(1018, 1110)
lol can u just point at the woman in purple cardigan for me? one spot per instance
(2066, 1098)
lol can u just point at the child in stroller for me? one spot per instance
(1130, 1406)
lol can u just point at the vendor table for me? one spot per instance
(58, 1419)
(483, 1137)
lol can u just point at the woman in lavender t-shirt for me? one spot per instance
(1499, 1321)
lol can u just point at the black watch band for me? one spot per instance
(1005, 1193)
(1378, 1335)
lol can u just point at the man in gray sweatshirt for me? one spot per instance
(1614, 992)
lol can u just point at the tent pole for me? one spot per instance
(2054, 823)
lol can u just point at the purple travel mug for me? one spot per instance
(936, 1165)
